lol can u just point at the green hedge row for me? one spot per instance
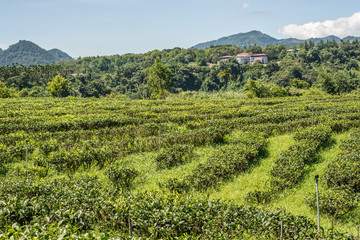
(223, 164)
(83, 208)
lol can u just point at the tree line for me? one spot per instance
(329, 66)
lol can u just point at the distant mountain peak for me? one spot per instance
(28, 53)
(258, 38)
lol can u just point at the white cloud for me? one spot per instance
(340, 27)
(245, 5)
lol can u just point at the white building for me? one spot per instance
(262, 58)
(245, 58)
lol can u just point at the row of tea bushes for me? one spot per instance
(290, 165)
(342, 181)
(79, 208)
(228, 160)
(345, 170)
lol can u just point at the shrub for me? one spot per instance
(289, 167)
(173, 185)
(335, 202)
(259, 197)
(122, 177)
(4, 91)
(174, 156)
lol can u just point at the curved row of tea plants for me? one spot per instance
(290, 165)
(342, 178)
(229, 159)
(85, 208)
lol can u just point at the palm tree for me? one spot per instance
(225, 74)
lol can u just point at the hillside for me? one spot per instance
(326, 66)
(27, 53)
(260, 39)
(160, 166)
(241, 39)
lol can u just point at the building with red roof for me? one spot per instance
(245, 58)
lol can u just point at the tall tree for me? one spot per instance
(59, 87)
(326, 82)
(4, 91)
(226, 75)
(159, 80)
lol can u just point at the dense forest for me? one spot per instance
(329, 66)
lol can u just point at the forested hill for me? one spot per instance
(260, 39)
(27, 53)
(328, 66)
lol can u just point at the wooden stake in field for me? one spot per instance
(317, 202)
(162, 109)
(130, 228)
(27, 143)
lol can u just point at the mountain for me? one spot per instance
(260, 39)
(351, 38)
(241, 39)
(28, 53)
(58, 54)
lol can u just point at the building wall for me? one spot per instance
(243, 59)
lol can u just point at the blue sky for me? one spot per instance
(107, 27)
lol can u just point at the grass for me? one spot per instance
(293, 200)
(151, 176)
(256, 177)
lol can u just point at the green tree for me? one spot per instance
(297, 83)
(326, 82)
(59, 87)
(159, 80)
(256, 88)
(225, 76)
(225, 73)
(342, 82)
(255, 50)
(4, 91)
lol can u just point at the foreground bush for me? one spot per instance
(81, 207)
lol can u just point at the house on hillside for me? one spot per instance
(262, 58)
(245, 58)
(225, 58)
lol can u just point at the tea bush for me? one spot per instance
(175, 155)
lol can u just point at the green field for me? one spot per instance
(188, 168)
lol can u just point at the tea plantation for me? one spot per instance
(181, 168)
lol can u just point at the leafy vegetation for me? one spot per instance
(174, 156)
(342, 180)
(59, 87)
(159, 80)
(324, 67)
(70, 208)
(94, 166)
